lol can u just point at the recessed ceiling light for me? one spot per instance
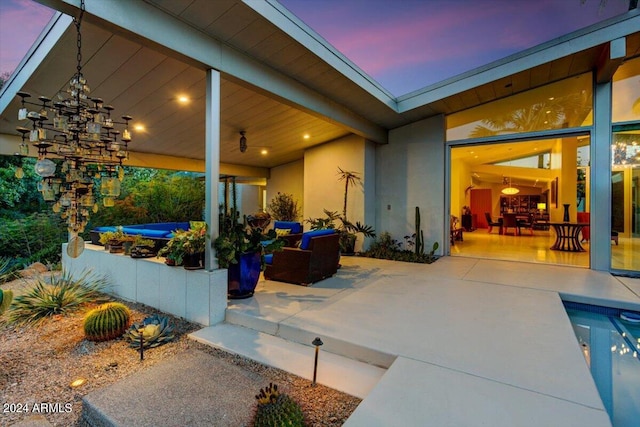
(306, 136)
(139, 128)
(264, 152)
(183, 99)
(551, 98)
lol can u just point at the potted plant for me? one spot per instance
(259, 220)
(193, 246)
(241, 250)
(113, 240)
(142, 248)
(173, 251)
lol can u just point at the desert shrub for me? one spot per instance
(64, 294)
(385, 247)
(284, 208)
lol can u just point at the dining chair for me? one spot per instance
(509, 220)
(527, 222)
(491, 223)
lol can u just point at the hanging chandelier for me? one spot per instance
(81, 132)
(509, 189)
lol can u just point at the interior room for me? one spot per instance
(491, 180)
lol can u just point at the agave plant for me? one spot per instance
(6, 273)
(5, 300)
(155, 331)
(64, 294)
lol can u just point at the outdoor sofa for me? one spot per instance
(317, 258)
(160, 232)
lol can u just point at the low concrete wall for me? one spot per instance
(199, 296)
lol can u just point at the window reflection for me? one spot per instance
(564, 104)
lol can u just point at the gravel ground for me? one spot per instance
(37, 364)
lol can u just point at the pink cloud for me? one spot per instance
(21, 21)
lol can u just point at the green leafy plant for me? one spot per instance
(236, 237)
(37, 237)
(276, 409)
(63, 295)
(173, 251)
(189, 242)
(153, 331)
(106, 322)
(385, 247)
(347, 229)
(284, 208)
(5, 300)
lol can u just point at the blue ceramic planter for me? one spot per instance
(243, 277)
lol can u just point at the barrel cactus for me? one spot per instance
(155, 329)
(107, 321)
(5, 300)
(276, 409)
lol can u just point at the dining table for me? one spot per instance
(568, 236)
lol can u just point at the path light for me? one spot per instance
(317, 342)
(141, 331)
(77, 382)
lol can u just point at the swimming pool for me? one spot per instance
(611, 347)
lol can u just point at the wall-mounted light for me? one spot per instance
(243, 142)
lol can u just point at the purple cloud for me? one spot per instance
(409, 44)
(21, 21)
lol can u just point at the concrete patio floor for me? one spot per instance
(466, 342)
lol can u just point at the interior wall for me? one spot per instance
(287, 179)
(410, 172)
(323, 190)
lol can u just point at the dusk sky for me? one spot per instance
(403, 44)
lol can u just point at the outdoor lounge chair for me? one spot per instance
(289, 231)
(316, 259)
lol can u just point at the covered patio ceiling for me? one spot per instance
(279, 80)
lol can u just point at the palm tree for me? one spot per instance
(350, 179)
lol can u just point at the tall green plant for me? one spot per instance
(37, 237)
(350, 179)
(284, 208)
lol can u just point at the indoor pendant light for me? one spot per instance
(509, 189)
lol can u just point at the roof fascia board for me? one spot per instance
(49, 36)
(279, 16)
(580, 40)
(152, 24)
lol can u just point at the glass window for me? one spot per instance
(626, 92)
(564, 104)
(625, 201)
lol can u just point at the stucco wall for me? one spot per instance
(410, 172)
(289, 179)
(323, 190)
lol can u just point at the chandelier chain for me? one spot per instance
(78, 21)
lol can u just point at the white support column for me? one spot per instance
(212, 163)
(601, 179)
